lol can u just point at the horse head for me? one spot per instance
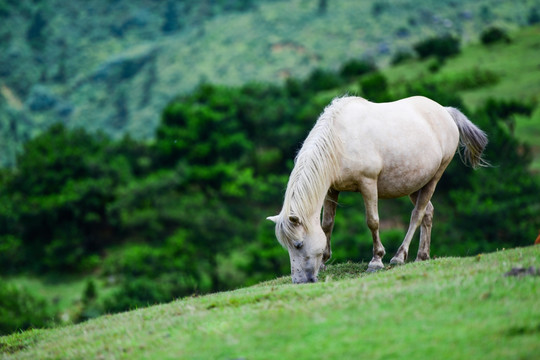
(306, 243)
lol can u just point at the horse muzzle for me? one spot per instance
(307, 277)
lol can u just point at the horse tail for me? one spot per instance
(472, 139)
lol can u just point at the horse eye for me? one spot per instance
(298, 244)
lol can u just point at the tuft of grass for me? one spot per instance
(447, 308)
(19, 341)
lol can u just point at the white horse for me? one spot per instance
(385, 150)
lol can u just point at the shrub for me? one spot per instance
(494, 35)
(401, 57)
(21, 310)
(468, 79)
(91, 308)
(534, 16)
(11, 249)
(441, 47)
(379, 7)
(145, 291)
(435, 92)
(435, 64)
(151, 274)
(322, 80)
(374, 87)
(354, 68)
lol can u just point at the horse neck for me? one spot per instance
(305, 198)
(316, 167)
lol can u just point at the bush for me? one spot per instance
(21, 310)
(435, 92)
(467, 80)
(435, 64)
(90, 306)
(505, 110)
(144, 291)
(154, 274)
(11, 249)
(401, 57)
(375, 87)
(534, 16)
(441, 47)
(322, 80)
(494, 35)
(355, 68)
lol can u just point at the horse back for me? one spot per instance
(401, 144)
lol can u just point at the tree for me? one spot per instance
(494, 35)
(58, 198)
(322, 7)
(171, 23)
(35, 33)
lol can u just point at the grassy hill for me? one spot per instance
(447, 308)
(114, 66)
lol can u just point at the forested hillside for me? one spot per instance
(112, 66)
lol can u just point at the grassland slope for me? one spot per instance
(447, 308)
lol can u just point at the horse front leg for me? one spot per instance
(369, 192)
(328, 218)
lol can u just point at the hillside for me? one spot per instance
(113, 67)
(447, 308)
(506, 71)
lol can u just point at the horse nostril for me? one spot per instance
(312, 279)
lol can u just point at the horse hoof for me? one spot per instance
(396, 261)
(422, 257)
(373, 267)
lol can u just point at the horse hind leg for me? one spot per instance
(423, 197)
(425, 234)
(425, 230)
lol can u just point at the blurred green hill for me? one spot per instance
(112, 66)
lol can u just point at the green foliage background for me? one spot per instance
(113, 66)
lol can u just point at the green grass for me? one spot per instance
(448, 308)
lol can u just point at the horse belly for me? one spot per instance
(408, 165)
(404, 180)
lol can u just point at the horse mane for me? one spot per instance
(316, 167)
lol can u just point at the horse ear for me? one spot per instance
(294, 219)
(273, 218)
